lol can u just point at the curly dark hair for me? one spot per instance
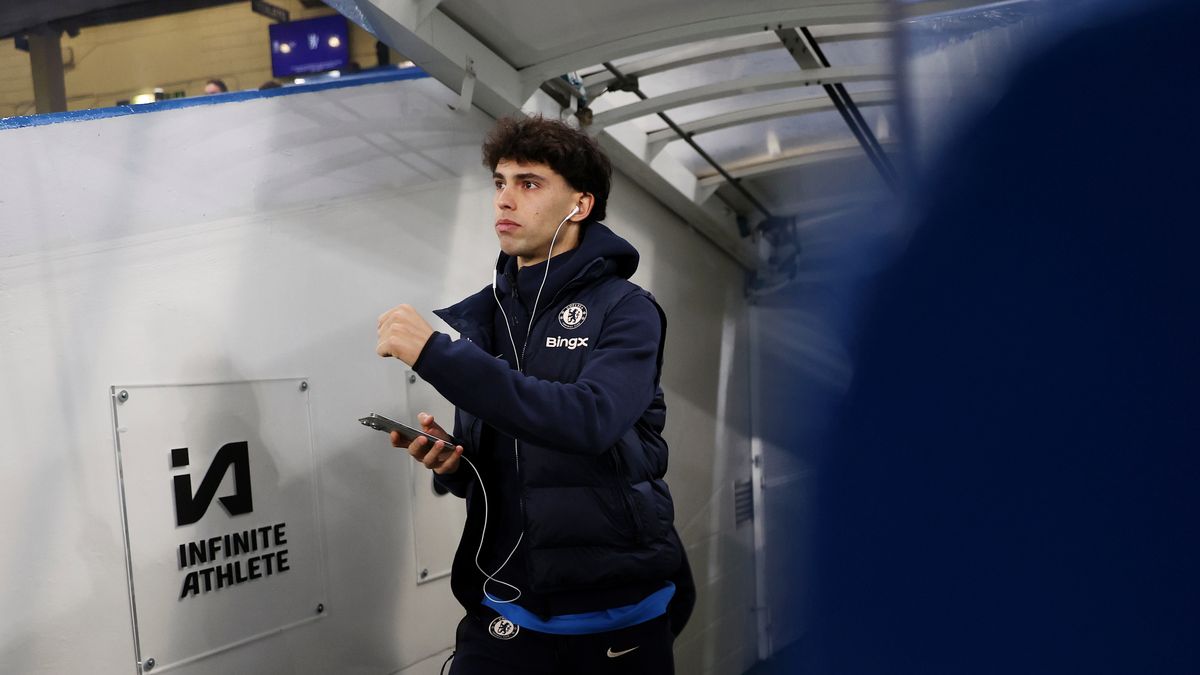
(572, 154)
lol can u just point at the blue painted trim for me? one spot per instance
(355, 80)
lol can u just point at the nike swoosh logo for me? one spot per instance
(613, 655)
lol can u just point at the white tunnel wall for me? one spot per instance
(260, 239)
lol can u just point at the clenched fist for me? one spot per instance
(402, 334)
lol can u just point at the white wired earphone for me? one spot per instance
(517, 355)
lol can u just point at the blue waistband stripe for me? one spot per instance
(586, 623)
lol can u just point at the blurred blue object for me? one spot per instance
(1014, 479)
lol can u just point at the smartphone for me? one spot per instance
(409, 434)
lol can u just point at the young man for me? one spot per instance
(569, 561)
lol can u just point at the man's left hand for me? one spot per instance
(402, 334)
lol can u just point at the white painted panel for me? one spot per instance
(260, 240)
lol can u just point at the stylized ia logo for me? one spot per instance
(190, 507)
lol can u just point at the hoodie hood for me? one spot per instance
(601, 252)
(597, 244)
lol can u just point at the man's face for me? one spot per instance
(531, 200)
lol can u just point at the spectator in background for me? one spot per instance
(215, 86)
(269, 84)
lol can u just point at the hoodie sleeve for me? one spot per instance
(458, 481)
(586, 416)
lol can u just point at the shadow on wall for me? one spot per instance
(57, 496)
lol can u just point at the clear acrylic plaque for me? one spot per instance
(219, 500)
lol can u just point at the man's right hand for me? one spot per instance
(440, 458)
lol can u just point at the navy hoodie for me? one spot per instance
(583, 484)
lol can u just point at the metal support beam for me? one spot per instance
(758, 395)
(586, 56)
(712, 50)
(440, 47)
(812, 104)
(825, 152)
(467, 91)
(685, 55)
(859, 31)
(807, 53)
(744, 85)
(46, 66)
(626, 149)
(700, 151)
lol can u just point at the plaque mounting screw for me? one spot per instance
(412, 379)
(304, 385)
(424, 573)
(148, 665)
(320, 607)
(123, 396)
